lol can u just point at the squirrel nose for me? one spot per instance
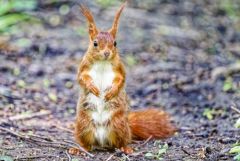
(107, 53)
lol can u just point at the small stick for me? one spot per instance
(127, 157)
(145, 142)
(136, 142)
(24, 116)
(137, 153)
(58, 144)
(35, 157)
(226, 70)
(12, 132)
(63, 128)
(69, 157)
(235, 109)
(110, 157)
(79, 147)
(184, 128)
(185, 151)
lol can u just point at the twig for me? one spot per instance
(35, 157)
(126, 157)
(67, 142)
(137, 153)
(63, 128)
(136, 142)
(184, 128)
(232, 68)
(68, 156)
(79, 147)
(185, 151)
(12, 132)
(30, 138)
(235, 109)
(110, 157)
(10, 97)
(145, 142)
(24, 116)
(51, 141)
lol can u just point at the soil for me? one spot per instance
(174, 52)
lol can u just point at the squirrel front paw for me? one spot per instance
(111, 92)
(93, 89)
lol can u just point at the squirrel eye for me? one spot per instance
(95, 44)
(115, 43)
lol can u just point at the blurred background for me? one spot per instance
(181, 56)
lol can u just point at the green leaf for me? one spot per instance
(81, 31)
(165, 146)
(11, 19)
(52, 97)
(8, 6)
(237, 157)
(27, 5)
(69, 84)
(16, 71)
(5, 7)
(21, 83)
(106, 3)
(6, 158)
(74, 159)
(131, 60)
(149, 155)
(237, 124)
(161, 151)
(208, 113)
(235, 149)
(64, 9)
(228, 85)
(23, 42)
(46, 83)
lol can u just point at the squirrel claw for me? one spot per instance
(94, 90)
(107, 97)
(110, 94)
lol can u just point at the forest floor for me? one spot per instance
(180, 57)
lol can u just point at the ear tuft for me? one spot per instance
(114, 28)
(91, 24)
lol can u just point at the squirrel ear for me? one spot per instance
(114, 28)
(93, 31)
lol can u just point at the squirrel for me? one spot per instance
(103, 116)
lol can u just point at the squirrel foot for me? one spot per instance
(74, 151)
(126, 150)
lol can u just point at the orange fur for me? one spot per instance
(114, 28)
(91, 24)
(120, 134)
(84, 130)
(150, 122)
(118, 125)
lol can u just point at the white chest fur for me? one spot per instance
(102, 75)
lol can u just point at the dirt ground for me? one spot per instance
(181, 56)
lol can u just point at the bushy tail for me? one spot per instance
(150, 122)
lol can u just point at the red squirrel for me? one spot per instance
(103, 116)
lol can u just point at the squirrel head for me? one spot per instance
(103, 45)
